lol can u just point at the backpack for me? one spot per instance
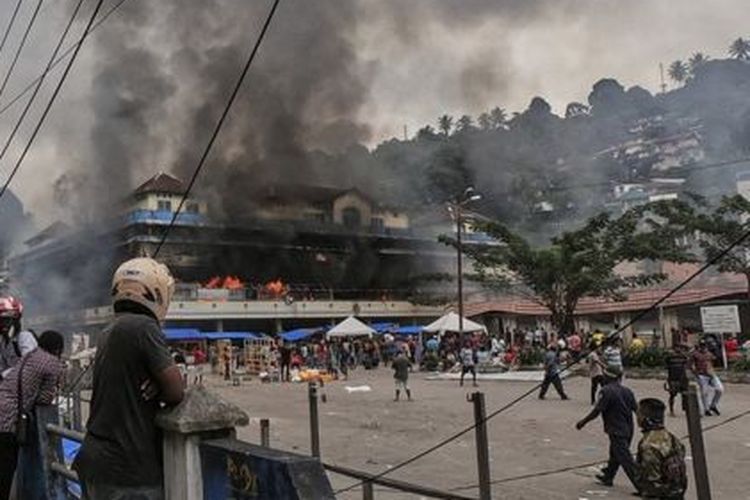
(674, 470)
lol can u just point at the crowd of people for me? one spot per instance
(135, 374)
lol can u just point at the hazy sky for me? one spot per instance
(422, 58)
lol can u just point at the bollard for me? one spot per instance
(265, 433)
(312, 394)
(483, 453)
(200, 416)
(700, 468)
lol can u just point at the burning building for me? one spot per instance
(308, 241)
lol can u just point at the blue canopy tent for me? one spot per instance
(231, 335)
(299, 334)
(384, 327)
(183, 334)
(409, 330)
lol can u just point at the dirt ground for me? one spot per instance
(371, 432)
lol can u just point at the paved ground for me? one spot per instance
(368, 431)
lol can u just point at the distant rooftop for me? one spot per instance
(161, 183)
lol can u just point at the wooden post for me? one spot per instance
(312, 395)
(265, 433)
(483, 453)
(700, 468)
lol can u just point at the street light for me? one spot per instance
(455, 207)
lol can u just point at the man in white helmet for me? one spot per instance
(133, 376)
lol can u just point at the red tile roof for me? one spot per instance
(637, 300)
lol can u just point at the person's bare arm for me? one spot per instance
(171, 388)
(588, 418)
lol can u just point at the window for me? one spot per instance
(351, 217)
(377, 224)
(315, 216)
(164, 205)
(193, 208)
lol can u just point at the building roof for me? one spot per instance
(637, 300)
(53, 231)
(161, 183)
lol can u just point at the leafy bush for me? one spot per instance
(650, 357)
(741, 365)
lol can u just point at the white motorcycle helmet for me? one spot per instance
(145, 282)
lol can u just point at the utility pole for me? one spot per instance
(460, 273)
(661, 76)
(700, 468)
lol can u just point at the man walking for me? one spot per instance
(468, 363)
(133, 375)
(552, 373)
(677, 381)
(596, 372)
(661, 456)
(35, 378)
(616, 405)
(702, 364)
(401, 367)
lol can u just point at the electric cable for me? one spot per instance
(10, 25)
(40, 81)
(218, 126)
(62, 56)
(613, 335)
(51, 101)
(20, 47)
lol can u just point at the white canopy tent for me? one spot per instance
(449, 323)
(350, 327)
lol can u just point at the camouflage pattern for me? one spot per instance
(661, 465)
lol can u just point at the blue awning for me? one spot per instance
(182, 334)
(299, 334)
(410, 330)
(231, 335)
(384, 327)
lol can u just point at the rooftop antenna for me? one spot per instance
(661, 76)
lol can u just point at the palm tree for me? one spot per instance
(678, 71)
(445, 124)
(697, 60)
(464, 124)
(576, 109)
(740, 49)
(498, 117)
(484, 121)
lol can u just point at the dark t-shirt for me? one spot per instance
(123, 445)
(617, 405)
(676, 366)
(401, 368)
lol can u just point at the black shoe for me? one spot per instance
(565, 398)
(541, 397)
(604, 480)
(715, 410)
(708, 413)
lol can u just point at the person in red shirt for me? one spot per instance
(199, 357)
(574, 345)
(732, 348)
(701, 363)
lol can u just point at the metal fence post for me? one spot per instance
(77, 418)
(265, 433)
(700, 468)
(368, 491)
(483, 453)
(312, 393)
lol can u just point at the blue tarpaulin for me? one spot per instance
(409, 330)
(299, 334)
(231, 335)
(384, 327)
(182, 334)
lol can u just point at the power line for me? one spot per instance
(219, 124)
(20, 46)
(51, 101)
(567, 367)
(62, 56)
(10, 25)
(40, 81)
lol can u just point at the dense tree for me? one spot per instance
(465, 124)
(485, 121)
(576, 264)
(740, 49)
(717, 228)
(678, 71)
(445, 125)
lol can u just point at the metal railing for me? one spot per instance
(57, 463)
